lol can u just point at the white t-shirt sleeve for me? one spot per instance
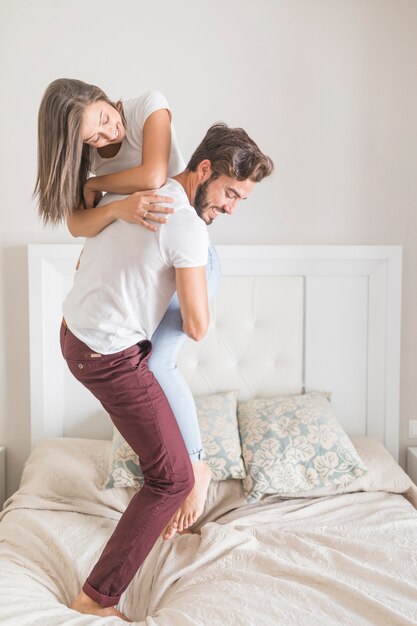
(148, 103)
(184, 240)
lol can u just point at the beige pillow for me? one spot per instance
(384, 473)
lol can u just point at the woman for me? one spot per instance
(129, 146)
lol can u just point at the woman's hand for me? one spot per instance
(141, 207)
(91, 196)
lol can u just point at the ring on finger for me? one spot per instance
(145, 214)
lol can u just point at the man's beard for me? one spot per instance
(200, 201)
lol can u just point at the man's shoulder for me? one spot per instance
(184, 223)
(175, 190)
(184, 218)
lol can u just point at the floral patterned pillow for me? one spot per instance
(124, 469)
(293, 445)
(217, 417)
(220, 437)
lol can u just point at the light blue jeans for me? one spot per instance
(167, 341)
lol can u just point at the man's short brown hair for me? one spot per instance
(232, 153)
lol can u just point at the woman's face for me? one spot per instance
(101, 125)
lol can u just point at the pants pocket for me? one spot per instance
(139, 353)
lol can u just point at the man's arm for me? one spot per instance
(192, 295)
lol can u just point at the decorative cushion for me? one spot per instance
(220, 434)
(124, 469)
(293, 445)
(220, 437)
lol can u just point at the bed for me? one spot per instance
(288, 322)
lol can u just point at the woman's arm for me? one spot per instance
(151, 174)
(89, 222)
(136, 208)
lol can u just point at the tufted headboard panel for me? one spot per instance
(286, 318)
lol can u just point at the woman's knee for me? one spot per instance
(163, 370)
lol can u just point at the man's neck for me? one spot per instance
(188, 180)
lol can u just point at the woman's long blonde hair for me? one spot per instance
(63, 158)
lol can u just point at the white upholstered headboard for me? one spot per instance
(286, 318)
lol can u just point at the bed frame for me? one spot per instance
(286, 319)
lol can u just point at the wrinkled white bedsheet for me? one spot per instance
(346, 559)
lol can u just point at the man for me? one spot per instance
(126, 280)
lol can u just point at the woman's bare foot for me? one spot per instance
(193, 505)
(84, 604)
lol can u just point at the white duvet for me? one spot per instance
(344, 559)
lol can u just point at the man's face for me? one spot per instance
(220, 195)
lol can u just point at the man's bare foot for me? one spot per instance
(84, 604)
(193, 505)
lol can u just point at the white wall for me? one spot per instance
(327, 87)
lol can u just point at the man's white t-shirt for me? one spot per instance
(126, 277)
(137, 112)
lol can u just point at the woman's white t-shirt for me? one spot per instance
(137, 112)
